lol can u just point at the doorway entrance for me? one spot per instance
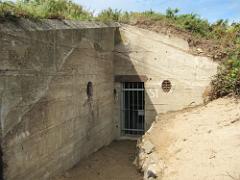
(133, 108)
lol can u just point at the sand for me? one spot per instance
(202, 143)
(114, 162)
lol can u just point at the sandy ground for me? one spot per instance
(197, 144)
(114, 162)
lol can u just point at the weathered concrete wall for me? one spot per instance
(161, 57)
(47, 121)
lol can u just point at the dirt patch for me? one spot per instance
(114, 162)
(199, 143)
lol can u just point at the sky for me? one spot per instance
(211, 10)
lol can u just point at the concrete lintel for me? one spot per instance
(130, 78)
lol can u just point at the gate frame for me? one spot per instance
(122, 119)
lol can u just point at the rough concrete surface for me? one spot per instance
(114, 162)
(48, 122)
(161, 57)
(195, 144)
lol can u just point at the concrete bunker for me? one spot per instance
(173, 78)
(68, 88)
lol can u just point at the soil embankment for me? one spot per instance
(194, 144)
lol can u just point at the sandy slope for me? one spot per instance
(196, 144)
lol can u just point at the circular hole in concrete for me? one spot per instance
(166, 86)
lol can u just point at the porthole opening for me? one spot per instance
(90, 90)
(166, 86)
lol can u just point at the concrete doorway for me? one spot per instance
(133, 108)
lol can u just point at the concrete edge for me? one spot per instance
(23, 24)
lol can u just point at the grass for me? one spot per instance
(44, 9)
(226, 35)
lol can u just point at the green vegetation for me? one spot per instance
(222, 33)
(110, 15)
(43, 9)
(225, 35)
(227, 81)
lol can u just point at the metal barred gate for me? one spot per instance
(132, 108)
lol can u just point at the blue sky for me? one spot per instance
(208, 9)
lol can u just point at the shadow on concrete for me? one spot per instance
(125, 71)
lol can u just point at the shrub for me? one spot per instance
(109, 15)
(227, 80)
(150, 15)
(7, 8)
(171, 13)
(194, 24)
(219, 29)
